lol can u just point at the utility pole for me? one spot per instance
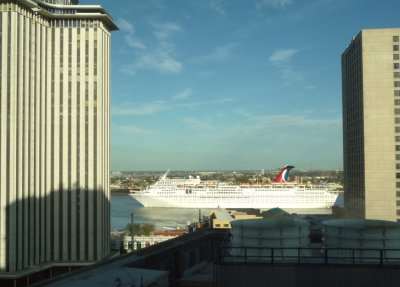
(132, 229)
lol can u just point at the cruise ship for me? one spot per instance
(194, 193)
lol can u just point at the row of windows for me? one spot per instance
(75, 23)
(396, 57)
(396, 75)
(397, 120)
(7, 6)
(58, 11)
(396, 66)
(62, 2)
(397, 111)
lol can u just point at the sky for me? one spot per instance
(232, 84)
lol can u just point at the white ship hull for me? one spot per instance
(238, 198)
(194, 193)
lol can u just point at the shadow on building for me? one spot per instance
(47, 236)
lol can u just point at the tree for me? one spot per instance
(148, 228)
(140, 229)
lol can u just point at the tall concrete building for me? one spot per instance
(54, 134)
(371, 124)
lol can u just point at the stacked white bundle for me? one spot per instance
(365, 240)
(257, 237)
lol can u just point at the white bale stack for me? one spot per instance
(257, 237)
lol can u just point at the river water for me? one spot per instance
(122, 206)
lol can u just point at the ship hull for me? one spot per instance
(238, 198)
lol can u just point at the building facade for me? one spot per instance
(54, 133)
(371, 125)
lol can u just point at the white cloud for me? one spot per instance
(160, 57)
(281, 60)
(186, 93)
(282, 55)
(147, 109)
(204, 103)
(130, 36)
(165, 30)
(138, 109)
(217, 5)
(164, 62)
(273, 3)
(133, 130)
(197, 124)
(297, 119)
(219, 53)
(125, 26)
(134, 42)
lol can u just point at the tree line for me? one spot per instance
(139, 229)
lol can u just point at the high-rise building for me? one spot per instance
(54, 134)
(371, 124)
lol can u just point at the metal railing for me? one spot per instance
(279, 255)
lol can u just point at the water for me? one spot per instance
(122, 207)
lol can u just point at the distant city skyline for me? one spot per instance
(223, 85)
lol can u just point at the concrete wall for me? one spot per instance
(379, 124)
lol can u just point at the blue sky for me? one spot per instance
(232, 84)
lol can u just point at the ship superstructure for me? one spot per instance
(194, 193)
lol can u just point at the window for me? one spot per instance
(397, 129)
(397, 147)
(397, 102)
(395, 38)
(397, 120)
(398, 167)
(395, 47)
(396, 66)
(397, 84)
(396, 74)
(397, 111)
(397, 93)
(397, 138)
(396, 56)
(397, 184)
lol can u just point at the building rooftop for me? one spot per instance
(66, 9)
